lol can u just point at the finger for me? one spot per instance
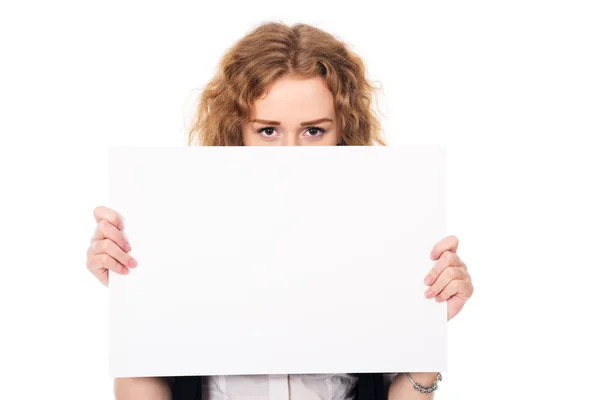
(98, 263)
(460, 288)
(455, 304)
(449, 274)
(449, 243)
(107, 246)
(448, 259)
(106, 230)
(109, 215)
(103, 277)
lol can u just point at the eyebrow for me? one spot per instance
(316, 121)
(266, 122)
(305, 123)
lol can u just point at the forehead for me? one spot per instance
(295, 98)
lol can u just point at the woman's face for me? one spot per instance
(294, 112)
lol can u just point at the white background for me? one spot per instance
(511, 87)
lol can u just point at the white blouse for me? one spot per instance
(281, 387)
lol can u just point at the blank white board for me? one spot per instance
(277, 260)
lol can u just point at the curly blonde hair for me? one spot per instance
(273, 50)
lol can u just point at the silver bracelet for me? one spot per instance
(425, 389)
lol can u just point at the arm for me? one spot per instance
(402, 389)
(147, 388)
(448, 281)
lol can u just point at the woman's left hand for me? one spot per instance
(448, 279)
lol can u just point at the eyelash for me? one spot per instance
(261, 130)
(321, 130)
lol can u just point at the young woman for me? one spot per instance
(285, 86)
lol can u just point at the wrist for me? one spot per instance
(424, 378)
(424, 388)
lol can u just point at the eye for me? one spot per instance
(268, 132)
(314, 131)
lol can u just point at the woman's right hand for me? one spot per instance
(108, 248)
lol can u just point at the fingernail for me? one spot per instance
(127, 247)
(429, 293)
(120, 225)
(432, 255)
(429, 280)
(132, 263)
